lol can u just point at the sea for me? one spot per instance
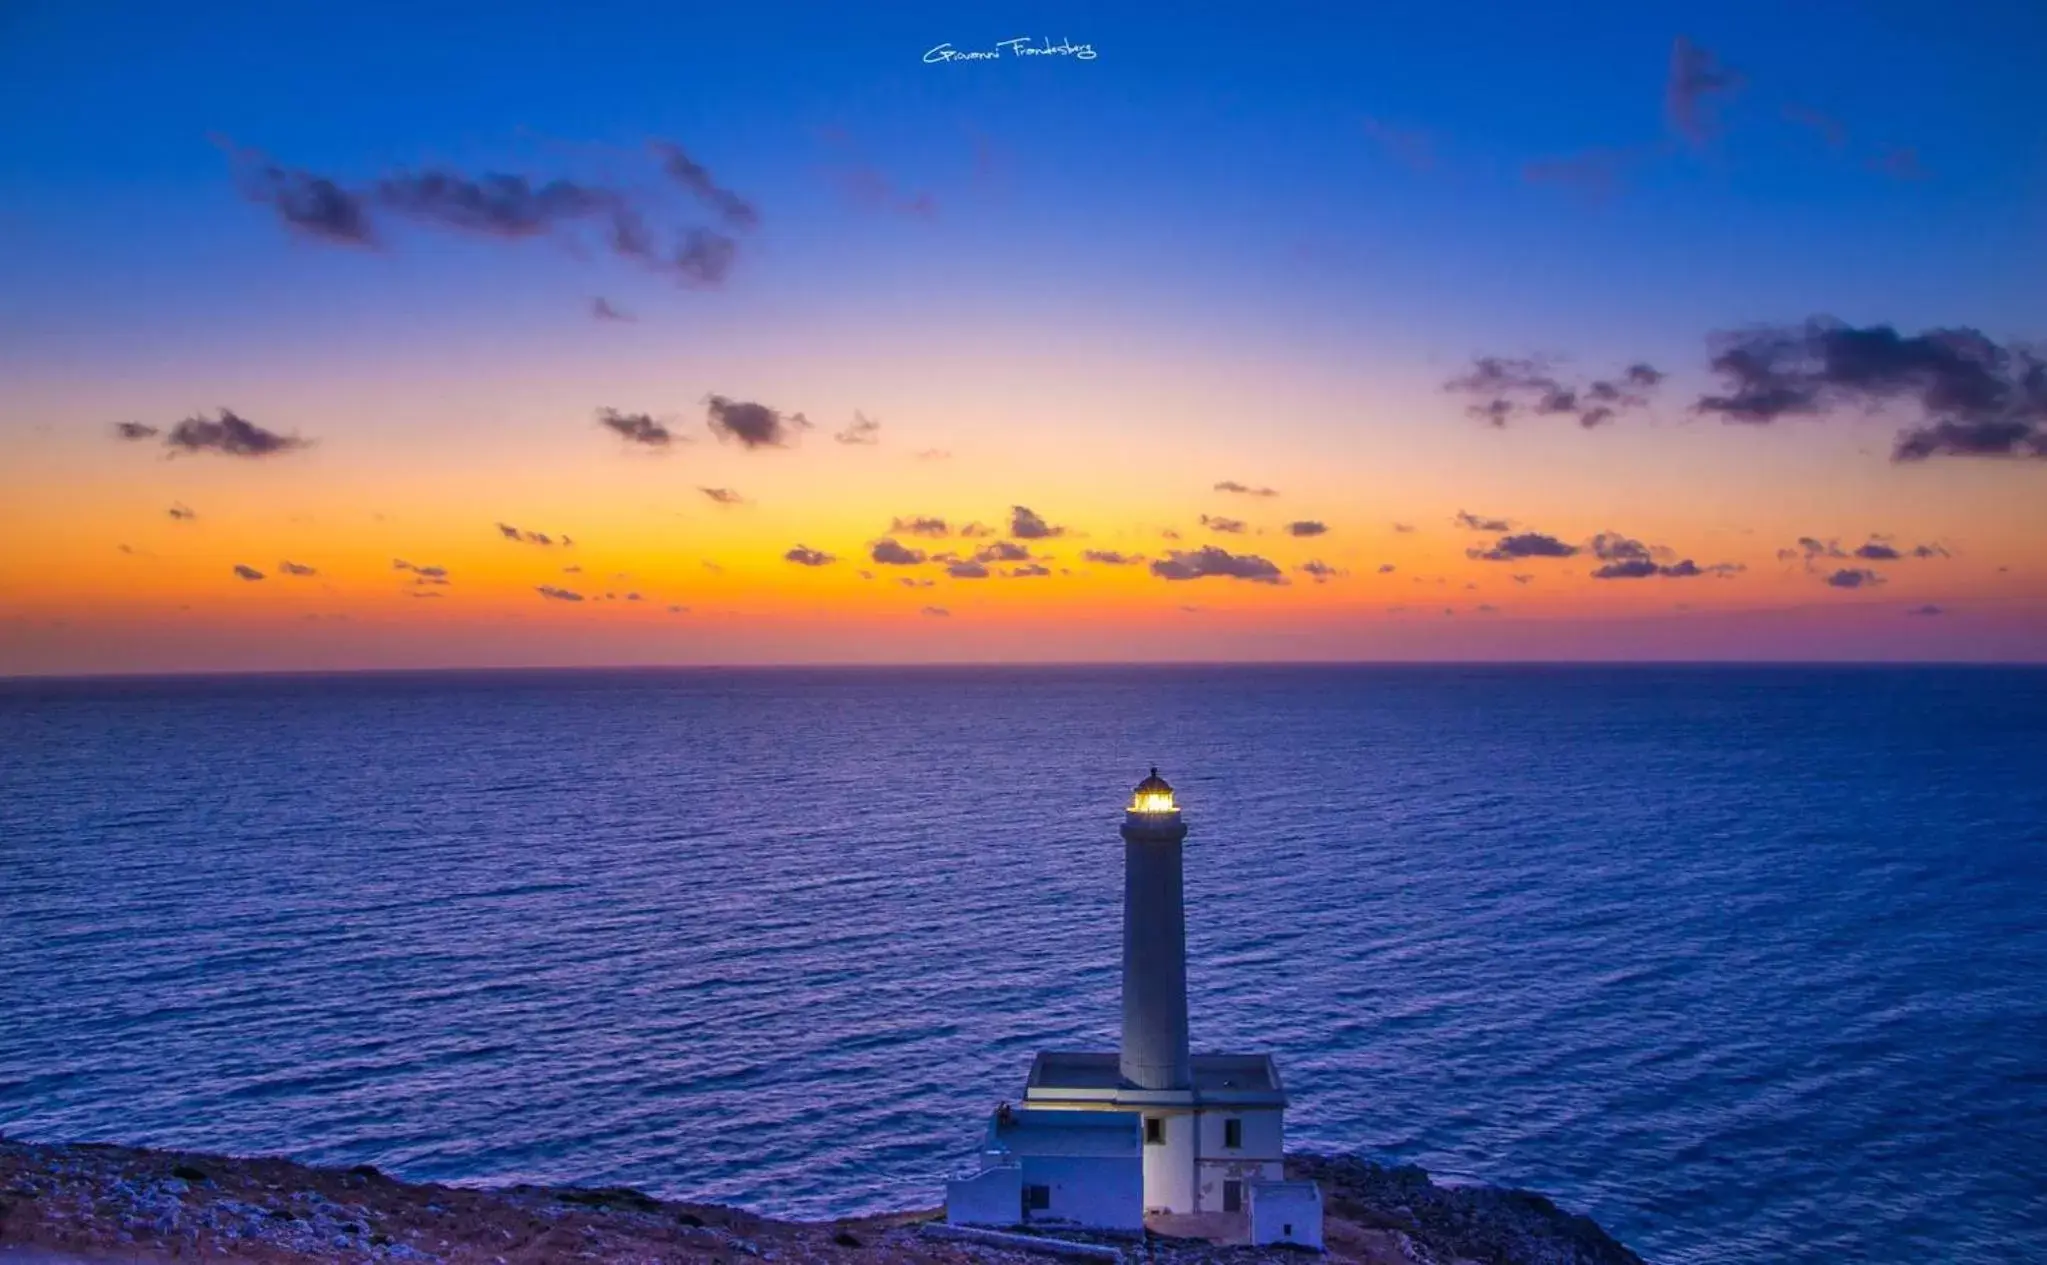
(1747, 963)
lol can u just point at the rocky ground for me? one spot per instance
(109, 1203)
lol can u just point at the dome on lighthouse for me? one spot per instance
(1153, 795)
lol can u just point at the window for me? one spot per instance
(1154, 1130)
(1037, 1198)
(1233, 1133)
(1287, 1230)
(1233, 1196)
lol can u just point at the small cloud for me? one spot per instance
(1028, 570)
(964, 569)
(735, 211)
(295, 568)
(911, 581)
(1484, 608)
(1403, 529)
(1002, 551)
(553, 594)
(1696, 79)
(632, 597)
(247, 572)
(637, 428)
(1110, 558)
(510, 532)
(134, 431)
(181, 513)
(723, 496)
(752, 425)
(1479, 522)
(602, 310)
(1241, 489)
(678, 610)
(1025, 524)
(1526, 545)
(920, 525)
(975, 531)
(1227, 526)
(1854, 578)
(805, 556)
(861, 430)
(889, 552)
(421, 575)
(1521, 579)
(1878, 551)
(932, 454)
(572, 570)
(1928, 610)
(1322, 571)
(937, 612)
(229, 435)
(1209, 561)
(1306, 527)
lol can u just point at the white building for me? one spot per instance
(1082, 1168)
(1212, 1127)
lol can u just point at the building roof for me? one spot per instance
(1154, 784)
(1048, 1131)
(1220, 1077)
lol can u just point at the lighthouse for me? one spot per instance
(1154, 1052)
(1150, 1134)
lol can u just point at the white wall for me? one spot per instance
(1169, 1179)
(1101, 1191)
(993, 1196)
(1285, 1213)
(1261, 1157)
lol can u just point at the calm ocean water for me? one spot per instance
(1750, 964)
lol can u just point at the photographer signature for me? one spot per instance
(1019, 47)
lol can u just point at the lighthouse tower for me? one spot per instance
(1154, 1052)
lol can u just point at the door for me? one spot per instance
(1233, 1196)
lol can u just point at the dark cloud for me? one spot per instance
(510, 532)
(861, 430)
(723, 496)
(1696, 78)
(1002, 551)
(496, 204)
(553, 594)
(1110, 558)
(1503, 386)
(1209, 561)
(1480, 522)
(1525, 545)
(890, 553)
(734, 210)
(937, 612)
(1227, 526)
(1974, 397)
(230, 435)
(1306, 527)
(700, 259)
(1926, 610)
(134, 431)
(1028, 570)
(918, 525)
(678, 610)
(247, 572)
(752, 425)
(1854, 578)
(1024, 524)
(1930, 551)
(1521, 579)
(1875, 549)
(295, 568)
(1231, 485)
(1878, 551)
(965, 569)
(638, 428)
(1629, 559)
(1404, 529)
(975, 531)
(309, 204)
(601, 309)
(1322, 571)
(182, 513)
(1386, 568)
(917, 582)
(804, 556)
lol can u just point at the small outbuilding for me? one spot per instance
(1049, 1167)
(1286, 1212)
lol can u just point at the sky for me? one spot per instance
(526, 334)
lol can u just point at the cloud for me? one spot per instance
(890, 553)
(1480, 522)
(678, 610)
(723, 496)
(1696, 79)
(309, 204)
(1875, 549)
(1306, 527)
(422, 576)
(1926, 610)
(1521, 579)
(965, 569)
(638, 428)
(1322, 571)
(496, 204)
(1973, 397)
(1002, 551)
(1209, 561)
(1878, 551)
(932, 454)
(602, 310)
(553, 594)
(1386, 568)
(1025, 524)
(1241, 489)
(805, 556)
(1629, 559)
(734, 210)
(915, 581)
(229, 435)
(868, 188)
(861, 430)
(1110, 558)
(1403, 529)
(1854, 578)
(295, 568)
(510, 532)
(1028, 570)
(182, 513)
(134, 431)
(700, 259)
(752, 425)
(918, 525)
(937, 612)
(1227, 526)
(1503, 387)
(1526, 545)
(974, 531)
(247, 572)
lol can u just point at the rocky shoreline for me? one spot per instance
(102, 1203)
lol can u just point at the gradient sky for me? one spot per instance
(1249, 247)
